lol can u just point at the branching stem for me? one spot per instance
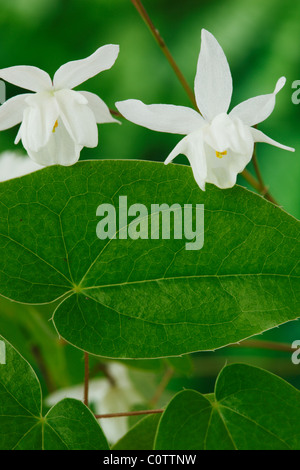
(270, 345)
(162, 386)
(155, 33)
(262, 187)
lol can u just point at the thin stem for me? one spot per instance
(251, 180)
(37, 354)
(101, 367)
(86, 379)
(256, 167)
(162, 386)
(257, 344)
(116, 113)
(263, 189)
(129, 413)
(143, 13)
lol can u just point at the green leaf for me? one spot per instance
(252, 409)
(151, 365)
(68, 425)
(146, 298)
(141, 436)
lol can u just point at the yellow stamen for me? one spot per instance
(221, 154)
(55, 126)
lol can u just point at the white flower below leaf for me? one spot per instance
(56, 121)
(13, 165)
(218, 145)
(106, 398)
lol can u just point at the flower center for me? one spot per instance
(55, 126)
(218, 154)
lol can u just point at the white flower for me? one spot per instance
(13, 165)
(218, 145)
(106, 398)
(56, 121)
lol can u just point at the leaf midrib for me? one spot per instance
(196, 276)
(255, 423)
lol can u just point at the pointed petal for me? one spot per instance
(11, 112)
(213, 81)
(99, 108)
(257, 109)
(18, 136)
(161, 117)
(192, 146)
(197, 158)
(38, 120)
(177, 150)
(77, 117)
(259, 136)
(60, 149)
(28, 77)
(73, 73)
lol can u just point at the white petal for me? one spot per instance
(99, 108)
(223, 177)
(259, 136)
(257, 109)
(177, 150)
(18, 136)
(213, 81)
(192, 147)
(222, 172)
(161, 117)
(11, 112)
(14, 165)
(28, 77)
(38, 120)
(60, 149)
(73, 73)
(233, 138)
(77, 117)
(23, 130)
(226, 133)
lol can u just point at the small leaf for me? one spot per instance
(252, 410)
(141, 436)
(68, 425)
(74, 427)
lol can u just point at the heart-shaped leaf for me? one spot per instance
(252, 410)
(142, 298)
(68, 425)
(141, 436)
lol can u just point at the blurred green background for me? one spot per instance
(261, 39)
